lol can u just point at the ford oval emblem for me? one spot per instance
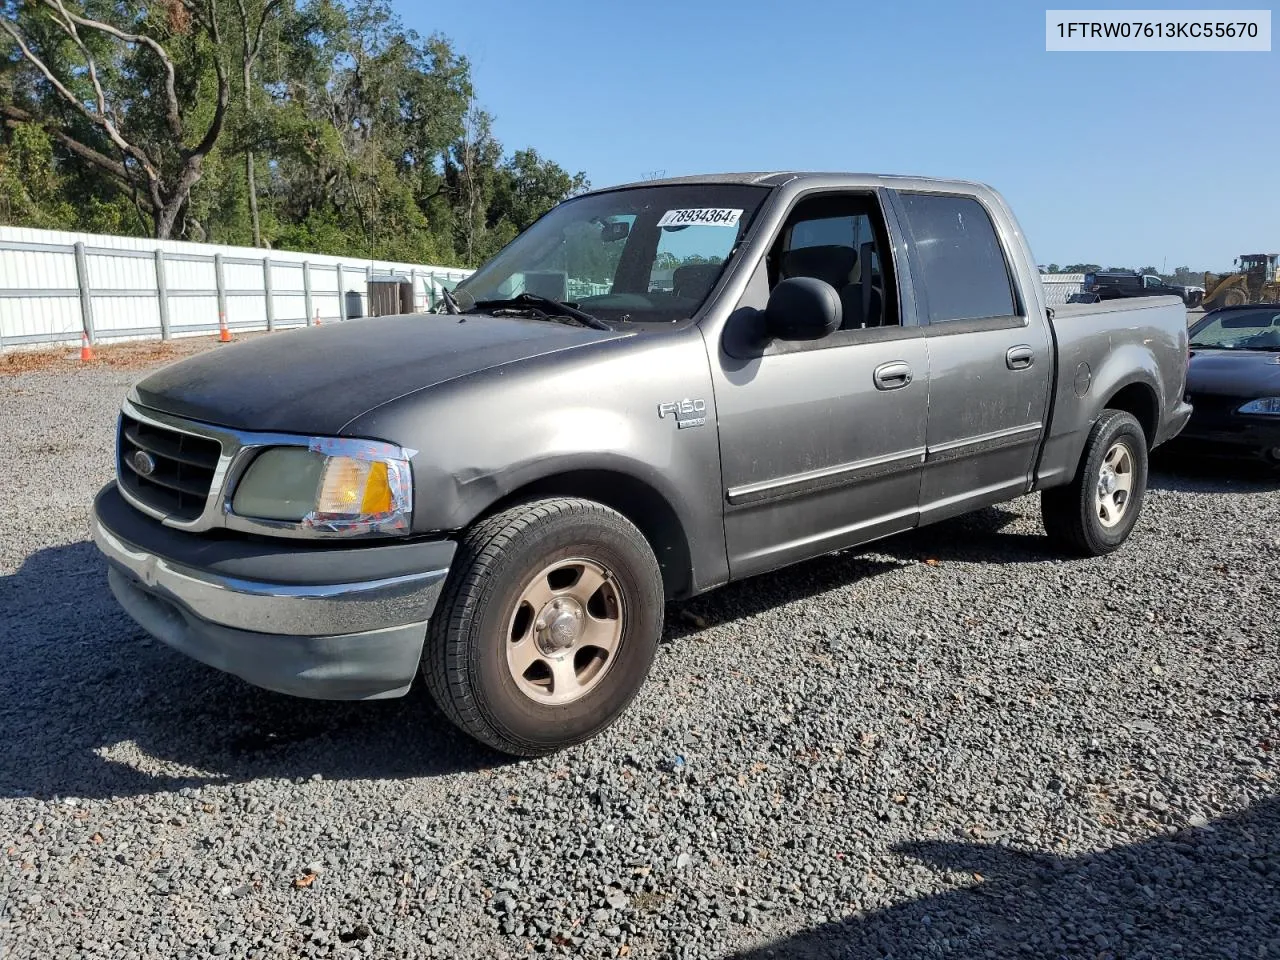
(143, 463)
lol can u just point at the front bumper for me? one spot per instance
(312, 620)
(1232, 434)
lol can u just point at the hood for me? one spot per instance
(316, 380)
(1235, 373)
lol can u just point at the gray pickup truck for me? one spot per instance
(654, 390)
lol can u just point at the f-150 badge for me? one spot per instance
(688, 413)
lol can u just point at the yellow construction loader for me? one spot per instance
(1255, 280)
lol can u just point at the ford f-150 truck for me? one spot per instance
(654, 390)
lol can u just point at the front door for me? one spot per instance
(822, 442)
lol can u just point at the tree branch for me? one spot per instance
(173, 114)
(98, 120)
(12, 116)
(224, 88)
(253, 47)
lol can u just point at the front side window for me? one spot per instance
(838, 238)
(639, 254)
(961, 264)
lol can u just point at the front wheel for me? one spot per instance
(1095, 513)
(547, 627)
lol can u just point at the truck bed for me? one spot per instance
(1137, 344)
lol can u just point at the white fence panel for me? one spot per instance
(132, 284)
(188, 315)
(185, 274)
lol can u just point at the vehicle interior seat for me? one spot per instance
(863, 298)
(862, 302)
(694, 280)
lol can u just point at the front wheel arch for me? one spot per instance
(643, 505)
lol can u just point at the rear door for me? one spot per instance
(990, 363)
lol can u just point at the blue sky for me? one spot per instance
(1114, 158)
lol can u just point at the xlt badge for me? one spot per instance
(688, 413)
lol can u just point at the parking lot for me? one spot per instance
(954, 744)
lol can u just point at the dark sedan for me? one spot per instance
(1234, 383)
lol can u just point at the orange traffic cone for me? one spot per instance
(86, 350)
(224, 335)
(317, 316)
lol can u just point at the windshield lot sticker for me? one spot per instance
(706, 216)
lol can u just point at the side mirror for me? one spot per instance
(803, 308)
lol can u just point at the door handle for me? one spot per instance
(1019, 357)
(892, 376)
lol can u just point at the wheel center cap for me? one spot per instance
(559, 625)
(1107, 482)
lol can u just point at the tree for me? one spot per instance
(253, 24)
(341, 131)
(123, 96)
(31, 190)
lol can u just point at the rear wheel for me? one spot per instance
(1095, 513)
(547, 627)
(1234, 298)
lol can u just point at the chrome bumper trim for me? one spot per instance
(297, 610)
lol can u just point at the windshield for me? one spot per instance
(640, 254)
(1239, 330)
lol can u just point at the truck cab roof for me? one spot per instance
(777, 178)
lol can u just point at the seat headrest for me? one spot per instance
(831, 263)
(694, 279)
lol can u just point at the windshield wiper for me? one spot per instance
(548, 306)
(450, 304)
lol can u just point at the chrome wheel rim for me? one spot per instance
(565, 631)
(1115, 485)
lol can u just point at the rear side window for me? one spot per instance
(958, 258)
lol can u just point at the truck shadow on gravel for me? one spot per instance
(1211, 891)
(979, 537)
(92, 707)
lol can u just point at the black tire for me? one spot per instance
(464, 661)
(1070, 512)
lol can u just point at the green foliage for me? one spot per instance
(32, 192)
(359, 136)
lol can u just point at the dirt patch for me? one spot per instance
(135, 355)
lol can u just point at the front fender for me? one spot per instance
(591, 410)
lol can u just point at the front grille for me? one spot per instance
(179, 485)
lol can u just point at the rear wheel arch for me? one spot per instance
(1140, 400)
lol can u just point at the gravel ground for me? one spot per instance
(952, 745)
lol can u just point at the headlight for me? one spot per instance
(1266, 407)
(347, 487)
